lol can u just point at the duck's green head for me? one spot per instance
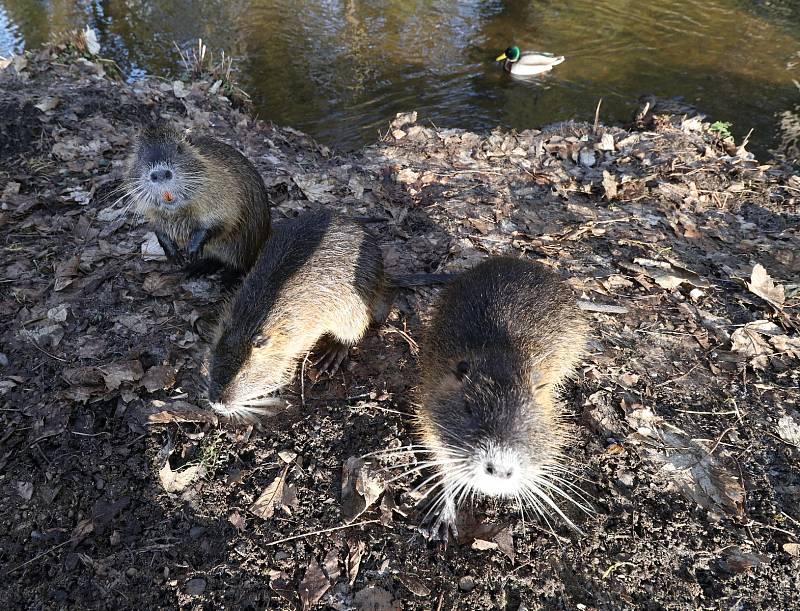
(511, 54)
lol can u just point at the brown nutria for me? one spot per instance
(203, 198)
(320, 274)
(502, 338)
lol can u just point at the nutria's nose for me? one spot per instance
(498, 470)
(160, 175)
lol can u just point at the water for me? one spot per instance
(340, 69)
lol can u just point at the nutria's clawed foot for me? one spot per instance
(332, 357)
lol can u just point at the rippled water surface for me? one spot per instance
(341, 69)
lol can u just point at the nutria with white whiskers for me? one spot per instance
(206, 202)
(320, 274)
(503, 336)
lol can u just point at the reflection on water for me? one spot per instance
(340, 69)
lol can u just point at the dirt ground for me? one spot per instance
(120, 490)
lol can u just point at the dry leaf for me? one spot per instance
(480, 544)
(159, 377)
(609, 182)
(361, 487)
(699, 475)
(195, 587)
(47, 104)
(669, 275)
(264, 506)
(179, 413)
(737, 561)
(789, 430)
(66, 272)
(115, 374)
(237, 520)
(151, 249)
(177, 481)
(793, 549)
(414, 584)
(179, 89)
(762, 285)
(786, 345)
(373, 598)
(82, 530)
(387, 508)
(289, 498)
(505, 543)
(316, 188)
(287, 456)
(748, 342)
(159, 285)
(24, 490)
(314, 585)
(355, 551)
(331, 564)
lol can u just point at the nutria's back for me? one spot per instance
(319, 274)
(511, 303)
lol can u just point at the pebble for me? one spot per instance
(195, 532)
(466, 584)
(626, 478)
(195, 587)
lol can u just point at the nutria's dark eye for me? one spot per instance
(260, 341)
(462, 369)
(469, 410)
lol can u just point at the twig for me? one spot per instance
(44, 553)
(597, 117)
(683, 375)
(412, 345)
(303, 380)
(714, 447)
(43, 351)
(320, 532)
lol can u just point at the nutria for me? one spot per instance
(203, 198)
(502, 338)
(320, 274)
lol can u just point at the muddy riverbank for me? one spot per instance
(121, 491)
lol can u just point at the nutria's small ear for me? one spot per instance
(461, 370)
(261, 341)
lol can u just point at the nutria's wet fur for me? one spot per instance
(219, 210)
(319, 275)
(502, 338)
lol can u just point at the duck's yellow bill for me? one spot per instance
(501, 57)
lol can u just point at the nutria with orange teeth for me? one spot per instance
(503, 336)
(206, 202)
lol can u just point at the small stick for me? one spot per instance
(44, 553)
(320, 532)
(597, 117)
(605, 308)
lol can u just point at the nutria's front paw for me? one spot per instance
(331, 358)
(169, 247)
(443, 526)
(194, 249)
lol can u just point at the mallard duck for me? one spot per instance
(528, 63)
